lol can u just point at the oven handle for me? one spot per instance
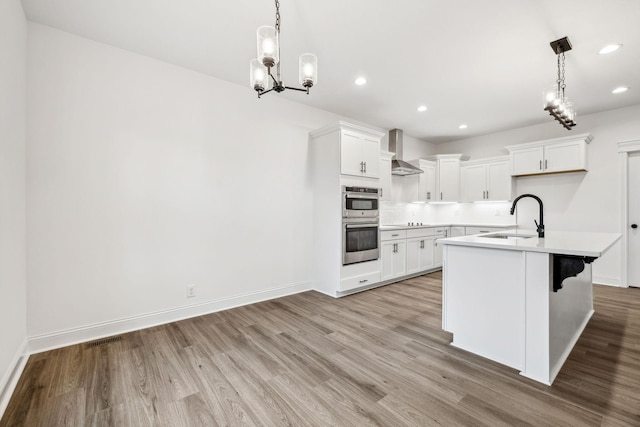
(361, 196)
(369, 225)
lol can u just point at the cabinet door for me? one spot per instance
(351, 161)
(414, 255)
(564, 157)
(388, 256)
(499, 182)
(448, 180)
(437, 254)
(400, 259)
(474, 185)
(428, 183)
(427, 254)
(385, 179)
(370, 157)
(527, 161)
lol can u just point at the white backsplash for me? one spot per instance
(398, 213)
(392, 213)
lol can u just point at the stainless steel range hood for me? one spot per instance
(398, 165)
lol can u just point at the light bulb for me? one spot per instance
(268, 51)
(268, 46)
(258, 76)
(308, 70)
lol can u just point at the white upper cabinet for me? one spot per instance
(550, 156)
(486, 180)
(385, 175)
(359, 154)
(358, 149)
(425, 190)
(447, 173)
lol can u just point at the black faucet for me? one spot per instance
(540, 226)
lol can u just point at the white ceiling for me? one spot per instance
(483, 63)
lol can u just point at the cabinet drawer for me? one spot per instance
(419, 232)
(354, 282)
(480, 230)
(441, 231)
(393, 235)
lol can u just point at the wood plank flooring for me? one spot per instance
(374, 358)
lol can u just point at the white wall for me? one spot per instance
(143, 178)
(13, 59)
(576, 201)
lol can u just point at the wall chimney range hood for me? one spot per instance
(398, 165)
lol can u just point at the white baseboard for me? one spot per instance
(11, 377)
(607, 280)
(44, 342)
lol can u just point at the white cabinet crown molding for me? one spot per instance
(446, 156)
(485, 160)
(586, 137)
(342, 125)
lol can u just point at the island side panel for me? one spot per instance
(538, 284)
(569, 312)
(484, 298)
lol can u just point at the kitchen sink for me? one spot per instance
(507, 236)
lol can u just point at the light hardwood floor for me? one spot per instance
(374, 358)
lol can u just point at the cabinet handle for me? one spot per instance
(394, 235)
(381, 192)
(487, 194)
(365, 167)
(545, 165)
(440, 195)
(395, 247)
(428, 195)
(446, 233)
(540, 164)
(361, 167)
(364, 281)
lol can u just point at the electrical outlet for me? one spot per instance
(191, 291)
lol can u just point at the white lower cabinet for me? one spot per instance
(354, 282)
(407, 252)
(419, 254)
(393, 259)
(439, 233)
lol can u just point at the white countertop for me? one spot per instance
(555, 242)
(442, 224)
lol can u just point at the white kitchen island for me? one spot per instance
(499, 300)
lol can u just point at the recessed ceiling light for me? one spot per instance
(361, 81)
(462, 126)
(422, 108)
(620, 89)
(609, 48)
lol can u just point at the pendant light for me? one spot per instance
(261, 75)
(555, 100)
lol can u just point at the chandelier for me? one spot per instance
(555, 101)
(261, 76)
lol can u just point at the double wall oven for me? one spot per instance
(360, 224)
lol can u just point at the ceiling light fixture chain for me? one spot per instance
(555, 101)
(277, 81)
(269, 56)
(563, 83)
(277, 17)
